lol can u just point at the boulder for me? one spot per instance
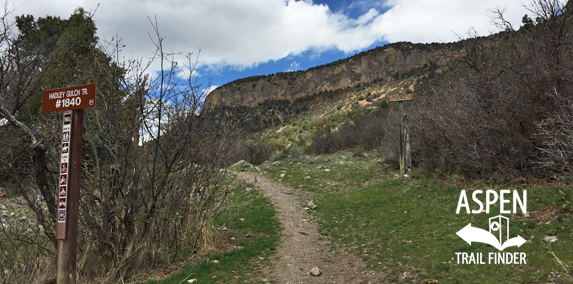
(318, 159)
(242, 164)
(20, 200)
(315, 271)
(311, 205)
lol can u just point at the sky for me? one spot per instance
(240, 38)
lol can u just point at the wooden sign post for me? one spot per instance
(402, 155)
(71, 101)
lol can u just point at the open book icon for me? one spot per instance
(473, 234)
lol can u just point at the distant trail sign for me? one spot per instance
(408, 97)
(76, 97)
(404, 137)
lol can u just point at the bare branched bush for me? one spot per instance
(556, 149)
(150, 163)
(389, 147)
(479, 116)
(154, 185)
(27, 255)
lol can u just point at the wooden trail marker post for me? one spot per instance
(402, 154)
(72, 101)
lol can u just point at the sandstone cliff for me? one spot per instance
(396, 60)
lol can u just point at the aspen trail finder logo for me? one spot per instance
(498, 233)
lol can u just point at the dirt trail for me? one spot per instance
(300, 248)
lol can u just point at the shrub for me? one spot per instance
(503, 108)
(361, 129)
(279, 155)
(253, 152)
(295, 152)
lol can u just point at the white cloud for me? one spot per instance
(442, 20)
(210, 89)
(294, 66)
(245, 33)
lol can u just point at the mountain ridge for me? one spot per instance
(388, 62)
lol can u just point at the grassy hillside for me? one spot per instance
(406, 227)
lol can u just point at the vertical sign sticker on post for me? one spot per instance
(63, 183)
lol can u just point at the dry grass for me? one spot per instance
(41, 270)
(211, 242)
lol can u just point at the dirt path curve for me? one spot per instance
(300, 248)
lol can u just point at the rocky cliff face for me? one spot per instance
(392, 61)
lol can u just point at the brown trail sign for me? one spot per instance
(76, 97)
(72, 101)
(401, 98)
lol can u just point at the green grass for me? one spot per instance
(399, 225)
(252, 222)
